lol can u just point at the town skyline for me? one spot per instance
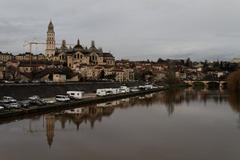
(137, 30)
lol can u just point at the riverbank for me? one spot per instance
(23, 91)
(58, 106)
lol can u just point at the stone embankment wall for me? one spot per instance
(44, 90)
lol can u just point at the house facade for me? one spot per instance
(4, 57)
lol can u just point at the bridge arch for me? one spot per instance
(213, 84)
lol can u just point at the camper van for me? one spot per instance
(104, 92)
(147, 87)
(115, 90)
(75, 94)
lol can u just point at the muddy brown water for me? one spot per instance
(174, 125)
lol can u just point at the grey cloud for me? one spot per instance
(138, 29)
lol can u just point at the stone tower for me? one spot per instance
(50, 47)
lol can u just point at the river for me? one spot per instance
(173, 125)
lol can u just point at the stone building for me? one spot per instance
(30, 57)
(4, 57)
(119, 75)
(26, 66)
(78, 55)
(123, 74)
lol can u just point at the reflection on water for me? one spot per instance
(171, 99)
(92, 116)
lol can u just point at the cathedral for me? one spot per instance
(77, 55)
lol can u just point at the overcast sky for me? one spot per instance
(135, 29)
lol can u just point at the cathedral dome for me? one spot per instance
(78, 46)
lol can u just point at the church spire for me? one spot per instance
(50, 27)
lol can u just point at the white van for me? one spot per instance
(62, 98)
(124, 89)
(75, 94)
(149, 86)
(146, 87)
(104, 92)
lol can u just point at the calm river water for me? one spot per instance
(173, 125)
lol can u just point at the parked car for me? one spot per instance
(13, 105)
(161, 87)
(1, 108)
(35, 97)
(25, 103)
(62, 98)
(35, 81)
(7, 99)
(134, 90)
(23, 81)
(8, 82)
(49, 101)
(40, 102)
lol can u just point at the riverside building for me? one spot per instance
(77, 55)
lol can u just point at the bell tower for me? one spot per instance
(50, 47)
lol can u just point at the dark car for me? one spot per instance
(25, 103)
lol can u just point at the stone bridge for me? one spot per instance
(221, 83)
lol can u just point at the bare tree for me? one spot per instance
(233, 81)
